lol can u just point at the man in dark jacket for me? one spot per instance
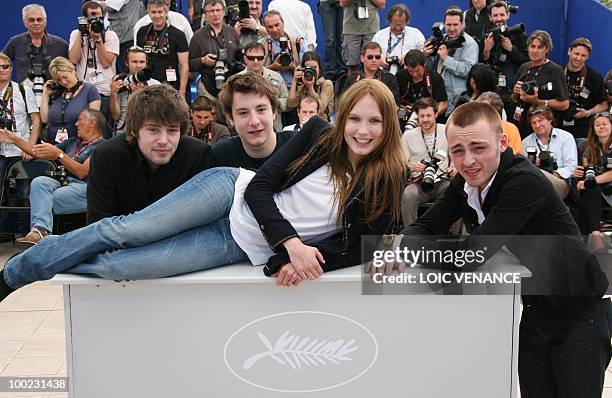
(564, 338)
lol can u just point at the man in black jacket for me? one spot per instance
(564, 338)
(133, 170)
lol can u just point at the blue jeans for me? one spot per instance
(185, 231)
(49, 197)
(332, 15)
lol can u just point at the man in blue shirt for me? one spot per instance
(59, 194)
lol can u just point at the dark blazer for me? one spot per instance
(520, 203)
(121, 182)
(340, 250)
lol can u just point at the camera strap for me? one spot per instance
(159, 42)
(537, 140)
(416, 96)
(390, 47)
(32, 54)
(75, 155)
(66, 102)
(8, 103)
(431, 152)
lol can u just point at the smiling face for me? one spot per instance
(577, 57)
(499, 16)
(35, 22)
(602, 128)
(427, 119)
(254, 60)
(372, 59)
(475, 151)
(363, 130)
(157, 15)
(541, 125)
(158, 142)
(253, 118)
(6, 68)
(453, 26)
(255, 7)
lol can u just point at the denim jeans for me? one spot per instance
(332, 15)
(49, 197)
(185, 231)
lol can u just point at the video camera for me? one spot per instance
(438, 38)
(394, 64)
(430, 173)
(504, 30)
(126, 79)
(94, 23)
(547, 160)
(285, 55)
(236, 10)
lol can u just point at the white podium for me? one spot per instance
(231, 332)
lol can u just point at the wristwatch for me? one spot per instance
(60, 156)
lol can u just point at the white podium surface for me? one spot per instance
(231, 332)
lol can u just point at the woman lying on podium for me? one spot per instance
(301, 214)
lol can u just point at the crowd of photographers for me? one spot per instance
(553, 115)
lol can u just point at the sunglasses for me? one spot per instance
(39, 19)
(601, 114)
(536, 112)
(5, 66)
(255, 57)
(370, 56)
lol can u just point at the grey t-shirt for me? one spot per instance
(354, 26)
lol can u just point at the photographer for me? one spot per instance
(33, 50)
(539, 82)
(308, 107)
(585, 88)
(175, 19)
(298, 20)
(371, 60)
(398, 38)
(551, 149)
(64, 192)
(18, 113)
(309, 81)
(426, 149)
(416, 81)
(359, 24)
(94, 50)
(136, 61)
(596, 177)
(166, 48)
(252, 28)
(510, 130)
(254, 56)
(505, 50)
(453, 64)
(63, 99)
(480, 79)
(477, 19)
(213, 49)
(203, 126)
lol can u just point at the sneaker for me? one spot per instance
(31, 239)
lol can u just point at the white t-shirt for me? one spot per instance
(298, 19)
(176, 19)
(308, 205)
(22, 126)
(99, 76)
(412, 39)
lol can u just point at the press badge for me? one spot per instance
(501, 81)
(568, 123)
(61, 135)
(170, 75)
(503, 57)
(585, 93)
(518, 113)
(97, 78)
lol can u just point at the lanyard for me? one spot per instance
(66, 102)
(8, 103)
(576, 86)
(75, 155)
(412, 94)
(431, 152)
(547, 145)
(537, 72)
(390, 47)
(32, 52)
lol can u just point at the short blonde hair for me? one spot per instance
(60, 64)
(6, 58)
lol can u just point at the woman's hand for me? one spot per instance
(287, 276)
(305, 259)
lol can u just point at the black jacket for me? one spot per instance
(340, 250)
(121, 182)
(522, 203)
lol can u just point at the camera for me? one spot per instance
(220, 67)
(53, 85)
(60, 175)
(437, 39)
(529, 87)
(547, 159)
(512, 9)
(141, 76)
(394, 64)
(285, 54)
(6, 120)
(590, 172)
(310, 73)
(94, 23)
(431, 170)
(570, 113)
(506, 31)
(236, 10)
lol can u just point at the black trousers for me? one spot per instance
(565, 358)
(590, 210)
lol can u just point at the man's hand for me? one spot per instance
(489, 42)
(506, 43)
(6, 136)
(249, 23)
(427, 48)
(25, 157)
(517, 88)
(579, 172)
(209, 60)
(46, 151)
(115, 85)
(305, 259)
(137, 86)
(443, 52)
(581, 113)
(297, 75)
(418, 167)
(530, 99)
